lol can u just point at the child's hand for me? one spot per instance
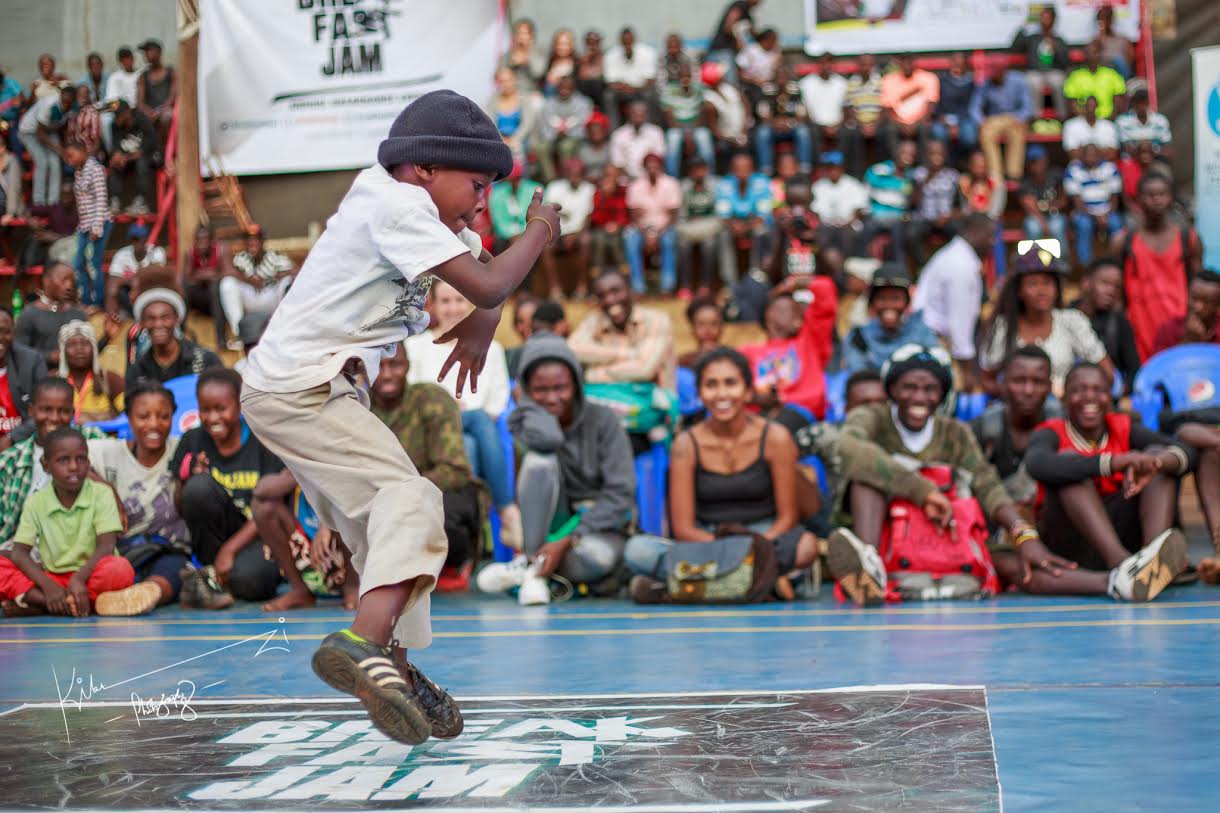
(200, 465)
(57, 600)
(78, 596)
(473, 335)
(547, 211)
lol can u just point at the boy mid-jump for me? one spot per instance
(361, 290)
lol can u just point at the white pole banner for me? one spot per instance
(1206, 69)
(305, 85)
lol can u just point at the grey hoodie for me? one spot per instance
(594, 452)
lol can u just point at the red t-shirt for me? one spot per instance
(1156, 289)
(1117, 441)
(10, 418)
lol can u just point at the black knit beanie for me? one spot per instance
(446, 129)
(917, 357)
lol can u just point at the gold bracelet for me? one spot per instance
(1026, 535)
(549, 228)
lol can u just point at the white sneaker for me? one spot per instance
(534, 590)
(500, 577)
(857, 566)
(1143, 575)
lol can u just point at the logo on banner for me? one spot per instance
(352, 31)
(1213, 109)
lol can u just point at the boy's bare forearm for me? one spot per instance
(488, 285)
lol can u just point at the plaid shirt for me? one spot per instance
(16, 471)
(92, 205)
(643, 352)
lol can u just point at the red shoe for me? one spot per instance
(454, 579)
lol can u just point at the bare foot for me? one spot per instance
(298, 598)
(351, 593)
(13, 610)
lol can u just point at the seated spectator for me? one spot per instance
(1107, 501)
(129, 259)
(155, 540)
(622, 341)
(950, 289)
(575, 195)
(792, 265)
(673, 59)
(841, 204)
(788, 172)
(594, 151)
(514, 112)
(73, 523)
(698, 229)
(21, 368)
(1201, 324)
(429, 425)
(220, 463)
(635, 141)
(590, 73)
(41, 319)
(123, 84)
(1001, 109)
(686, 119)
(788, 367)
(890, 187)
(1143, 124)
(550, 318)
(1093, 184)
(743, 203)
(707, 329)
(95, 77)
(204, 267)
(256, 283)
(981, 191)
(576, 480)
(98, 393)
(953, 121)
(935, 201)
(715, 491)
(882, 446)
(12, 100)
(561, 126)
(523, 325)
(909, 96)
(93, 216)
(47, 81)
(862, 114)
(525, 57)
(654, 200)
(157, 89)
(1101, 300)
(823, 93)
(1030, 311)
(869, 346)
(607, 221)
(1116, 51)
(160, 312)
(509, 204)
(54, 241)
(136, 156)
(732, 121)
(561, 63)
(41, 128)
(1097, 80)
(630, 72)
(1132, 167)
(480, 408)
(758, 62)
(12, 198)
(1046, 63)
(1004, 429)
(822, 438)
(1087, 128)
(781, 116)
(1042, 197)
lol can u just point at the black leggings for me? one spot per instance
(212, 518)
(1061, 537)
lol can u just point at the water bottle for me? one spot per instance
(18, 301)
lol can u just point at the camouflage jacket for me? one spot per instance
(428, 424)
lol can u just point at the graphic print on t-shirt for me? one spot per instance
(408, 308)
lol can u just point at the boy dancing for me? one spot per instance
(361, 290)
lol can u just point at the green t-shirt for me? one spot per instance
(1105, 84)
(66, 537)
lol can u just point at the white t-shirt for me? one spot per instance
(426, 359)
(1071, 339)
(123, 86)
(823, 98)
(837, 203)
(124, 264)
(39, 113)
(731, 113)
(577, 203)
(362, 288)
(40, 478)
(1077, 133)
(147, 494)
(950, 294)
(637, 71)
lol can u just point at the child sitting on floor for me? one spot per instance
(73, 523)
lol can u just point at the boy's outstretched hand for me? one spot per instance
(473, 335)
(547, 211)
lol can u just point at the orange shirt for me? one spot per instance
(910, 100)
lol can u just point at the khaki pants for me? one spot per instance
(1011, 129)
(357, 477)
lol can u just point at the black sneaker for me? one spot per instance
(368, 672)
(441, 708)
(201, 589)
(644, 590)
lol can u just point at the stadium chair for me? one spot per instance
(836, 396)
(688, 392)
(1178, 379)
(651, 488)
(970, 405)
(185, 417)
(819, 468)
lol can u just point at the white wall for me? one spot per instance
(70, 29)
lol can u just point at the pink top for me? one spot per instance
(910, 100)
(654, 203)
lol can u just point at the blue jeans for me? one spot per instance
(1057, 226)
(1085, 228)
(673, 148)
(482, 440)
(967, 132)
(92, 291)
(764, 147)
(645, 553)
(633, 247)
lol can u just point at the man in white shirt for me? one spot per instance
(257, 284)
(950, 290)
(575, 195)
(630, 72)
(122, 85)
(841, 204)
(823, 93)
(126, 262)
(732, 112)
(1089, 129)
(634, 140)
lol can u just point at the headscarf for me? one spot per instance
(166, 295)
(83, 330)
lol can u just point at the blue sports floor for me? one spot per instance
(1094, 705)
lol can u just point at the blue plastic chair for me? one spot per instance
(836, 396)
(970, 405)
(651, 488)
(185, 417)
(1179, 379)
(802, 411)
(499, 551)
(688, 392)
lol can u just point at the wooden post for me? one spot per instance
(188, 194)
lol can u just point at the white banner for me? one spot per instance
(1206, 69)
(306, 85)
(897, 26)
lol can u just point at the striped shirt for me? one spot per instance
(1131, 130)
(1095, 186)
(92, 203)
(889, 193)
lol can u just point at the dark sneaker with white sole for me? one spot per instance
(368, 672)
(441, 708)
(857, 566)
